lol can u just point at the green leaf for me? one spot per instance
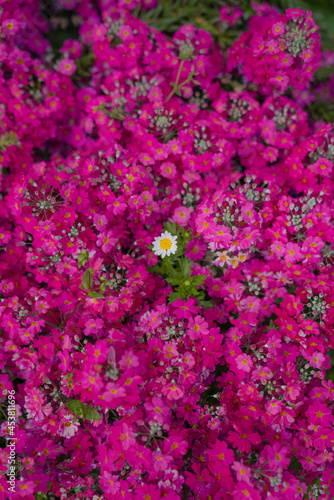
(295, 464)
(40, 496)
(82, 258)
(185, 266)
(91, 414)
(76, 407)
(7, 139)
(87, 59)
(198, 280)
(171, 228)
(95, 295)
(175, 280)
(156, 268)
(323, 110)
(205, 303)
(172, 297)
(87, 279)
(323, 74)
(82, 410)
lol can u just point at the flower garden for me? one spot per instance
(167, 256)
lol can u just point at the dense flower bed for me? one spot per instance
(166, 259)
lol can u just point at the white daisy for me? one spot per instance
(165, 244)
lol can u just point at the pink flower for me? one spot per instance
(242, 439)
(126, 436)
(292, 253)
(172, 391)
(181, 215)
(160, 461)
(35, 325)
(184, 309)
(113, 392)
(118, 207)
(147, 491)
(106, 241)
(317, 359)
(93, 326)
(67, 66)
(100, 221)
(25, 488)
(243, 472)
(64, 364)
(47, 450)
(319, 414)
(278, 248)
(91, 381)
(220, 453)
(176, 445)
(324, 438)
(244, 491)
(286, 417)
(109, 483)
(129, 360)
(277, 456)
(197, 327)
(310, 459)
(277, 29)
(292, 392)
(196, 249)
(322, 167)
(68, 427)
(274, 406)
(244, 362)
(157, 409)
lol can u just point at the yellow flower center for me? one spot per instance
(165, 244)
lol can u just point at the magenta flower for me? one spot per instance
(220, 453)
(109, 483)
(67, 66)
(319, 414)
(160, 461)
(157, 409)
(172, 391)
(244, 362)
(184, 309)
(106, 241)
(243, 472)
(196, 249)
(197, 327)
(68, 427)
(244, 491)
(211, 391)
(243, 439)
(182, 215)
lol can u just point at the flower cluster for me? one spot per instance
(278, 50)
(167, 259)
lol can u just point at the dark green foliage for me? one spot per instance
(83, 410)
(170, 15)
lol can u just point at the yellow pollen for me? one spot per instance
(165, 244)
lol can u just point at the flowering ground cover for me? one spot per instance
(167, 256)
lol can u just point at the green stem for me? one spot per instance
(76, 307)
(169, 267)
(176, 83)
(51, 324)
